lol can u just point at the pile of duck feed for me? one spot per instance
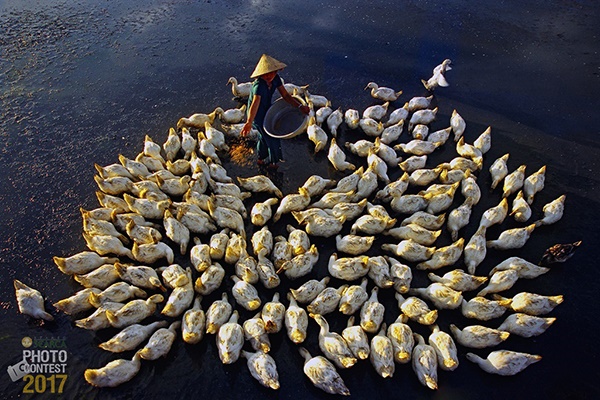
(374, 267)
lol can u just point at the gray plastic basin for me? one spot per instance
(284, 121)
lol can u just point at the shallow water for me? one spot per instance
(84, 81)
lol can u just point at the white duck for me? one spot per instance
(258, 184)
(322, 114)
(382, 354)
(415, 232)
(417, 147)
(326, 301)
(500, 281)
(478, 336)
(353, 244)
(217, 314)
(357, 339)
(233, 115)
(419, 103)
(322, 374)
(176, 231)
(114, 373)
(193, 323)
(445, 349)
(504, 362)
(316, 185)
(424, 363)
(416, 309)
(262, 367)
(423, 117)
(337, 157)
(426, 220)
(160, 342)
(255, 332)
(379, 272)
(440, 295)
(273, 313)
(230, 340)
(532, 303)
(371, 313)
(245, 294)
(317, 100)
(438, 78)
(444, 256)
(458, 218)
(240, 90)
(525, 325)
(296, 321)
(353, 297)
(106, 244)
(308, 291)
(458, 125)
(210, 280)
(409, 250)
(316, 134)
(151, 253)
(514, 181)
(82, 263)
(512, 238)
(266, 271)
(420, 132)
(392, 132)
(470, 151)
(553, 211)
(376, 112)
(484, 141)
(401, 275)
(134, 311)
(131, 337)
(524, 268)
(292, 202)
(398, 115)
(483, 309)
(499, 170)
(534, 183)
(197, 120)
(101, 278)
(402, 339)
(440, 136)
(188, 143)
(371, 127)
(459, 280)
(30, 301)
(494, 215)
(520, 208)
(352, 118)
(475, 250)
(383, 93)
(261, 212)
(141, 276)
(333, 345)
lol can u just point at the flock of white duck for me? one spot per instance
(181, 191)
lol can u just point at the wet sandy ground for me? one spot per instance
(84, 81)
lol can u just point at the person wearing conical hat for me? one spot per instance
(265, 83)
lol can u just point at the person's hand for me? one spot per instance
(246, 129)
(304, 109)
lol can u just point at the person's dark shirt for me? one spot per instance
(262, 89)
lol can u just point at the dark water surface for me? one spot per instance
(84, 81)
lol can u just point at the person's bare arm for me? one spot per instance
(251, 114)
(291, 100)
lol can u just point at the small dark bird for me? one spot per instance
(559, 253)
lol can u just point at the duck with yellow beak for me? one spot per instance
(266, 80)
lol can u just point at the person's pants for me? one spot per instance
(268, 147)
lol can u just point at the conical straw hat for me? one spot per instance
(265, 65)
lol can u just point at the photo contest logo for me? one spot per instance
(43, 366)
